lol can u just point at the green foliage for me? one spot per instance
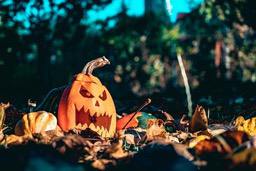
(45, 39)
(44, 43)
(142, 51)
(227, 21)
(144, 118)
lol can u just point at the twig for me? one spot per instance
(139, 109)
(187, 88)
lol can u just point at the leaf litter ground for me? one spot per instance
(157, 143)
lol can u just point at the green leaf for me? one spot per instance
(143, 119)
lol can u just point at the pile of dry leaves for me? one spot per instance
(163, 144)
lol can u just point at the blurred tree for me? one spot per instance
(43, 44)
(38, 35)
(222, 30)
(139, 52)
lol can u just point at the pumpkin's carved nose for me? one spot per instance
(97, 103)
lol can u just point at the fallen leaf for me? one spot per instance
(205, 147)
(158, 156)
(192, 143)
(223, 143)
(3, 107)
(182, 150)
(129, 138)
(131, 120)
(134, 136)
(199, 121)
(184, 123)
(216, 129)
(14, 139)
(100, 164)
(155, 129)
(248, 125)
(243, 158)
(73, 146)
(183, 136)
(116, 150)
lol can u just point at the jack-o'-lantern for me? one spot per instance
(86, 101)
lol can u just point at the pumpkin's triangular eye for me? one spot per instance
(103, 95)
(85, 93)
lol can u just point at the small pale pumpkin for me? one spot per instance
(87, 102)
(36, 122)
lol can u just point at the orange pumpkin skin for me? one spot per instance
(86, 101)
(36, 122)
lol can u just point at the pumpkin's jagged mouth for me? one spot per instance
(96, 121)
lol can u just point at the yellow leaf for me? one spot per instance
(248, 125)
(192, 143)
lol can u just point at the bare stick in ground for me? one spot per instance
(187, 88)
(139, 109)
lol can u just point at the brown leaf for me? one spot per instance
(235, 138)
(182, 150)
(100, 164)
(246, 157)
(12, 117)
(184, 123)
(167, 115)
(14, 139)
(116, 150)
(46, 137)
(85, 132)
(72, 146)
(208, 146)
(199, 120)
(160, 157)
(223, 143)
(155, 129)
(3, 107)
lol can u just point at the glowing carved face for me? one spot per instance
(89, 103)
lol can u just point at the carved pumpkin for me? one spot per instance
(86, 101)
(36, 122)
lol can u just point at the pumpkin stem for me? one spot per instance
(96, 63)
